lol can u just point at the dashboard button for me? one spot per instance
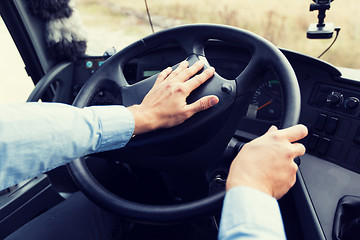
(320, 121)
(324, 146)
(357, 136)
(353, 156)
(313, 142)
(344, 128)
(336, 150)
(332, 125)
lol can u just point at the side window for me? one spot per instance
(15, 84)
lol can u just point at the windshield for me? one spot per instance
(16, 85)
(114, 23)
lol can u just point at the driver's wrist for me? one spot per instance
(143, 121)
(251, 184)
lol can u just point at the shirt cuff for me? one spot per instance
(117, 124)
(250, 214)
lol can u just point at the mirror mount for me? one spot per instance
(321, 30)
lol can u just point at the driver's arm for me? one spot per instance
(37, 137)
(262, 172)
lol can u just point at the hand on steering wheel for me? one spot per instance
(165, 105)
(273, 152)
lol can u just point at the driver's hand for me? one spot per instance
(165, 104)
(266, 163)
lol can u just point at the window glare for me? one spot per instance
(15, 84)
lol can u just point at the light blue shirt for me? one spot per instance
(250, 214)
(37, 137)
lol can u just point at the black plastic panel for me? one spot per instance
(25, 202)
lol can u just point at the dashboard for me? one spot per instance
(330, 105)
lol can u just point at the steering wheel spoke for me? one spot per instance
(247, 79)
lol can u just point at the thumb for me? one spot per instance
(203, 104)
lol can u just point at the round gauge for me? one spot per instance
(266, 102)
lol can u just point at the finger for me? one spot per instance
(273, 128)
(295, 168)
(163, 75)
(202, 104)
(182, 66)
(190, 71)
(196, 81)
(299, 149)
(294, 133)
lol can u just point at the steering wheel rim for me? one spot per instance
(192, 39)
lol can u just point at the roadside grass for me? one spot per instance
(282, 22)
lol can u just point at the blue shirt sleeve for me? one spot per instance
(250, 214)
(37, 137)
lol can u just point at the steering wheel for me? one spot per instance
(200, 139)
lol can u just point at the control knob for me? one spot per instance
(352, 103)
(335, 98)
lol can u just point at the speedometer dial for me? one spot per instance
(266, 102)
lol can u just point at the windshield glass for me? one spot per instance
(118, 23)
(16, 85)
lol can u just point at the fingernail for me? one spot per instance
(213, 101)
(273, 128)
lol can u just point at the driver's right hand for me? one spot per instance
(267, 163)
